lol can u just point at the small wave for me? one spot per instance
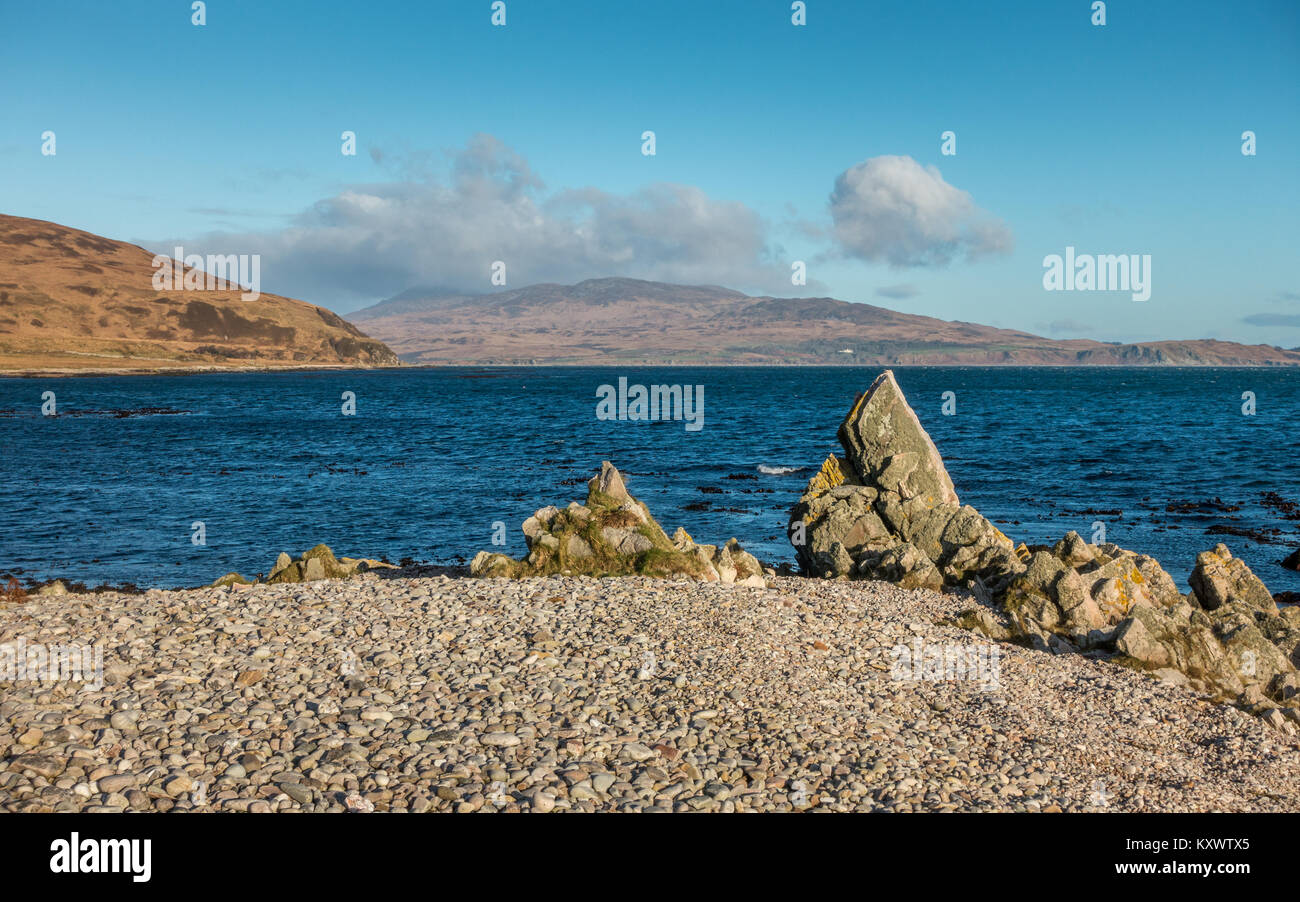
(778, 471)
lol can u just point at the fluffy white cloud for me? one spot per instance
(893, 209)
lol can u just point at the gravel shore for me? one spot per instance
(455, 694)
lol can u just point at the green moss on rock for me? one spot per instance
(614, 534)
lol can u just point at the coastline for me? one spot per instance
(183, 370)
(865, 365)
(552, 694)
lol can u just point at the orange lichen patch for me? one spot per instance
(828, 477)
(1122, 601)
(857, 405)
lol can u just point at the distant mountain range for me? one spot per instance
(607, 321)
(73, 302)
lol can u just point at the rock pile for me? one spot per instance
(887, 510)
(613, 534)
(318, 563)
(1225, 638)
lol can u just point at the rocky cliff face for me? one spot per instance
(887, 510)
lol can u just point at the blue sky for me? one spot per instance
(523, 143)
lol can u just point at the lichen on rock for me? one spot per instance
(612, 534)
(316, 563)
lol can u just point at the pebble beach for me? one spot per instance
(418, 693)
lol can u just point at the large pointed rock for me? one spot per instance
(609, 482)
(889, 449)
(888, 510)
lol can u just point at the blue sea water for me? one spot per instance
(434, 458)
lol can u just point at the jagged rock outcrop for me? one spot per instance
(888, 448)
(1081, 592)
(888, 509)
(1227, 636)
(1229, 644)
(613, 533)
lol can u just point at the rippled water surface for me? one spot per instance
(434, 457)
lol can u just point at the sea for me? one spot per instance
(174, 480)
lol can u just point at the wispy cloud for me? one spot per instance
(370, 241)
(897, 292)
(1272, 319)
(1066, 327)
(231, 212)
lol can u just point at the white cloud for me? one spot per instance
(372, 241)
(893, 209)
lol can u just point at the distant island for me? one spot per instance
(74, 302)
(629, 321)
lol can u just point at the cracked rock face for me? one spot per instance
(1220, 579)
(1082, 592)
(611, 534)
(888, 510)
(888, 448)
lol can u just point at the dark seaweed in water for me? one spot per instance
(1266, 535)
(119, 413)
(1211, 505)
(1287, 510)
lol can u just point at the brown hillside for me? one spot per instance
(71, 301)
